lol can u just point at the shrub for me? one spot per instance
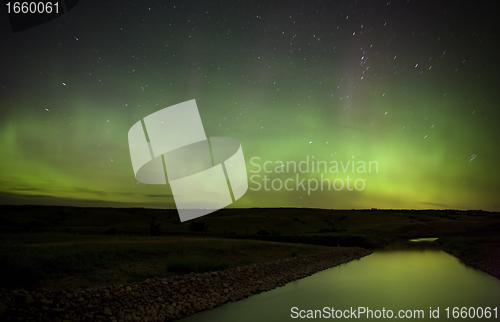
(111, 231)
(263, 232)
(154, 227)
(198, 226)
(275, 232)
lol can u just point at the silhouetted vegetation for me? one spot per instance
(93, 240)
(197, 265)
(154, 227)
(111, 231)
(198, 226)
(263, 232)
(26, 261)
(330, 230)
(463, 247)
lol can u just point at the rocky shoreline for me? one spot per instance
(162, 299)
(489, 265)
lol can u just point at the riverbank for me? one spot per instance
(480, 253)
(163, 299)
(489, 265)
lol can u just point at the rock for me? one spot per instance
(44, 301)
(58, 310)
(3, 308)
(160, 299)
(107, 311)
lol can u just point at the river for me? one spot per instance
(415, 279)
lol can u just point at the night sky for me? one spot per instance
(412, 85)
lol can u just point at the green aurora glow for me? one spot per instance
(426, 109)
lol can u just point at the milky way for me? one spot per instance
(411, 85)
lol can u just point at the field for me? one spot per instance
(67, 247)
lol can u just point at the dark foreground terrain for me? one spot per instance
(49, 250)
(161, 299)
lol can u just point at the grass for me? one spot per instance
(50, 237)
(197, 264)
(86, 260)
(60, 247)
(464, 247)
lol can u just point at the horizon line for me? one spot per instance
(309, 208)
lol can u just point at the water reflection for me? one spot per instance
(409, 276)
(428, 239)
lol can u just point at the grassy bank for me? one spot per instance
(480, 252)
(62, 247)
(73, 260)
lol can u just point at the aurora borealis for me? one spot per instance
(412, 85)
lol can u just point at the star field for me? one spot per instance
(412, 85)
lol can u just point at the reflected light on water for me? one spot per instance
(409, 276)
